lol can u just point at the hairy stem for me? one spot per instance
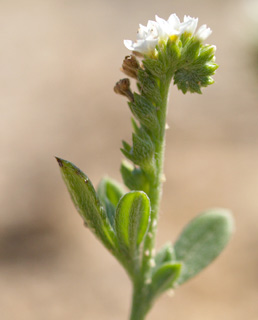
(140, 303)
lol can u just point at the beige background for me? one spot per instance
(59, 62)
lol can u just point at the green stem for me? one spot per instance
(138, 310)
(156, 186)
(140, 303)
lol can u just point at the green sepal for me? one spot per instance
(145, 112)
(202, 241)
(173, 53)
(132, 221)
(155, 67)
(193, 80)
(196, 67)
(88, 203)
(190, 51)
(110, 192)
(164, 278)
(134, 178)
(206, 55)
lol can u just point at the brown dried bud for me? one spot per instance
(130, 66)
(123, 87)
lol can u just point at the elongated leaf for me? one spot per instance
(87, 202)
(110, 192)
(164, 277)
(132, 220)
(202, 241)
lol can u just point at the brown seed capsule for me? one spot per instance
(123, 87)
(130, 66)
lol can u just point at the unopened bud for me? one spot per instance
(123, 87)
(130, 66)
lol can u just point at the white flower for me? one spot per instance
(189, 25)
(147, 39)
(161, 30)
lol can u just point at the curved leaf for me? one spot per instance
(132, 220)
(87, 202)
(164, 278)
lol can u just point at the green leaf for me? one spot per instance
(164, 278)
(132, 220)
(145, 112)
(143, 148)
(149, 87)
(202, 241)
(165, 254)
(134, 178)
(110, 192)
(142, 151)
(87, 202)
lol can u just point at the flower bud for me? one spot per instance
(130, 66)
(123, 87)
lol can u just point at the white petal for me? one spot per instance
(145, 46)
(174, 21)
(160, 21)
(152, 29)
(162, 27)
(129, 44)
(189, 25)
(142, 32)
(203, 33)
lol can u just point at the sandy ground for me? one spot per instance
(59, 62)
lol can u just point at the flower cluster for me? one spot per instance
(159, 31)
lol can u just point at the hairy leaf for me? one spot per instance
(110, 192)
(202, 241)
(132, 220)
(164, 277)
(87, 202)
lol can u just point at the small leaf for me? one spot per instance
(110, 193)
(165, 254)
(143, 148)
(149, 87)
(132, 220)
(145, 112)
(134, 178)
(202, 241)
(164, 278)
(87, 202)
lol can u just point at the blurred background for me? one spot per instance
(59, 63)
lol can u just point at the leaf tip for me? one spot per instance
(60, 162)
(226, 216)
